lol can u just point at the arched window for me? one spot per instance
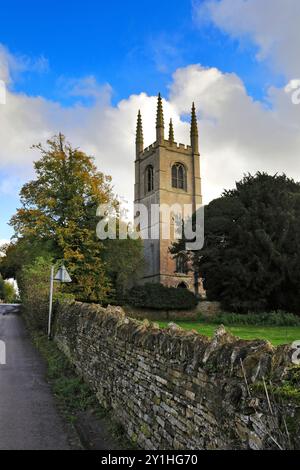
(178, 176)
(149, 179)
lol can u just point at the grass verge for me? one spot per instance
(71, 392)
(278, 318)
(275, 334)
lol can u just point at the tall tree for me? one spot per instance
(59, 208)
(124, 263)
(23, 251)
(251, 256)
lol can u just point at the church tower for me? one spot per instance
(166, 173)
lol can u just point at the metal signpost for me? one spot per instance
(62, 275)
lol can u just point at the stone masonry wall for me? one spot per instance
(161, 315)
(209, 309)
(173, 389)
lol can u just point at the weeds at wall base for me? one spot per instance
(72, 394)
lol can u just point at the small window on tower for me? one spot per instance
(179, 177)
(149, 179)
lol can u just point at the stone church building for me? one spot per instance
(166, 173)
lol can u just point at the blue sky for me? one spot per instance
(134, 46)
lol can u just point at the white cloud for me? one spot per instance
(237, 134)
(12, 65)
(86, 87)
(273, 25)
(166, 51)
(7, 64)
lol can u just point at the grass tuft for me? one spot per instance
(69, 389)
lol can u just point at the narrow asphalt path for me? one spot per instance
(28, 416)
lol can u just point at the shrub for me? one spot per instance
(34, 286)
(34, 292)
(251, 256)
(268, 319)
(157, 296)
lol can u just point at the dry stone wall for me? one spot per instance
(173, 389)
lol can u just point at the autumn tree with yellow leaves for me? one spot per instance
(59, 213)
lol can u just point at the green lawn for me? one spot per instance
(275, 334)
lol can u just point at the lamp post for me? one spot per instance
(62, 275)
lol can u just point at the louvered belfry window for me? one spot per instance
(178, 176)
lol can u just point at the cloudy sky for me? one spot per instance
(85, 68)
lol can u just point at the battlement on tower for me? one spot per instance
(172, 146)
(169, 143)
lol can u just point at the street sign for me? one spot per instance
(62, 275)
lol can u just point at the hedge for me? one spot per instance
(159, 297)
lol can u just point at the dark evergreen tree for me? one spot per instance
(251, 256)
